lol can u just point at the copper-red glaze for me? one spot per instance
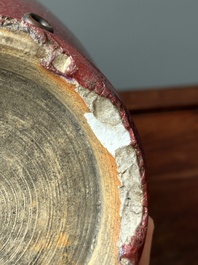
(91, 78)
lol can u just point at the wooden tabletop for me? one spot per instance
(167, 121)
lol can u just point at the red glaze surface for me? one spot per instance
(133, 250)
(91, 78)
(17, 8)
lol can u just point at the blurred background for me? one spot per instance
(149, 52)
(136, 44)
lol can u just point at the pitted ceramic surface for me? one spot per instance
(66, 92)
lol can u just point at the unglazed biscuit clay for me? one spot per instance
(72, 175)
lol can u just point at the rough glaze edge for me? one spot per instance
(89, 77)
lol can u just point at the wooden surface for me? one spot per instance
(169, 138)
(161, 99)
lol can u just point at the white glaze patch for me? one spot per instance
(110, 138)
(106, 123)
(62, 62)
